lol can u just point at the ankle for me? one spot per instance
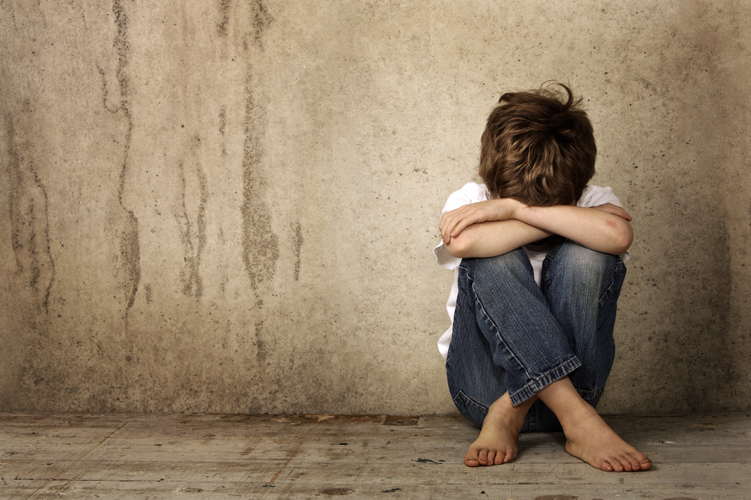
(580, 422)
(505, 413)
(576, 414)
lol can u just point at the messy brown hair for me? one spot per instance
(538, 147)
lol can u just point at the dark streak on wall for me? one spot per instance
(201, 223)
(223, 128)
(29, 215)
(261, 20)
(221, 27)
(260, 244)
(129, 242)
(192, 282)
(298, 241)
(147, 291)
(261, 350)
(105, 92)
(222, 120)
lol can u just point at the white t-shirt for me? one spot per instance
(472, 193)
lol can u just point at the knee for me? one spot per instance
(514, 263)
(581, 264)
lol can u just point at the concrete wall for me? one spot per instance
(230, 206)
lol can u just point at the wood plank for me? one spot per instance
(211, 439)
(197, 490)
(333, 473)
(171, 456)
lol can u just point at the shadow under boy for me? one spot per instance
(539, 266)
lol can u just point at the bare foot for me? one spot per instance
(589, 438)
(498, 442)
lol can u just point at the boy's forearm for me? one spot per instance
(489, 239)
(495, 227)
(593, 228)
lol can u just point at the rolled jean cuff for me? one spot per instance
(535, 386)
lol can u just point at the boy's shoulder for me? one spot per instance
(475, 189)
(473, 192)
(593, 196)
(469, 193)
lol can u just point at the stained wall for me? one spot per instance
(230, 206)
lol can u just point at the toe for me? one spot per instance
(482, 457)
(639, 461)
(491, 457)
(605, 465)
(633, 463)
(625, 461)
(470, 459)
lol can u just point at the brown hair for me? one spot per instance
(538, 147)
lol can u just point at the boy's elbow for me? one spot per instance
(622, 238)
(458, 247)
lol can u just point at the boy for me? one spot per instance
(539, 266)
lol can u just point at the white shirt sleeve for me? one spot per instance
(593, 196)
(470, 193)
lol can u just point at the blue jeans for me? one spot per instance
(511, 335)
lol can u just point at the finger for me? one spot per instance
(623, 214)
(448, 217)
(444, 221)
(614, 210)
(453, 223)
(461, 225)
(447, 227)
(464, 219)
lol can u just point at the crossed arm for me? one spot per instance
(497, 226)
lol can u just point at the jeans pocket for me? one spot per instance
(472, 411)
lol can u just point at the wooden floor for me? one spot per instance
(83, 456)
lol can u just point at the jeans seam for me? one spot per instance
(613, 280)
(478, 303)
(469, 402)
(549, 257)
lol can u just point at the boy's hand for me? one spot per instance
(614, 210)
(454, 222)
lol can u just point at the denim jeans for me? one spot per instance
(509, 334)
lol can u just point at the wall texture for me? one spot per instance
(229, 206)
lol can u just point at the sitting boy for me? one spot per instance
(539, 267)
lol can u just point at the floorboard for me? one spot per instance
(85, 456)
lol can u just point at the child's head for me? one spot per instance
(538, 147)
